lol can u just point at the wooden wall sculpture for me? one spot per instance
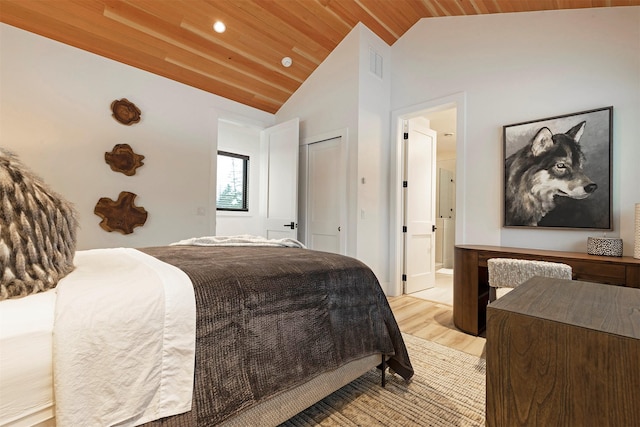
(121, 215)
(125, 111)
(123, 159)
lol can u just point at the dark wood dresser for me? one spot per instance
(471, 284)
(564, 353)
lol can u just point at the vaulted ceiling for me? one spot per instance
(175, 38)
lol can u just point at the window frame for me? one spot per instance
(245, 182)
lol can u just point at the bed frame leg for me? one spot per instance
(384, 368)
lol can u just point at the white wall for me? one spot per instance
(520, 67)
(373, 156)
(328, 101)
(241, 139)
(54, 114)
(342, 94)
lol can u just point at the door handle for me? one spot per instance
(292, 225)
(433, 228)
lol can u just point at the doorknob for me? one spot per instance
(433, 228)
(292, 225)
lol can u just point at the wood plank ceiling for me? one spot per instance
(175, 39)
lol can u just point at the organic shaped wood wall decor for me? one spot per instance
(123, 159)
(122, 215)
(125, 111)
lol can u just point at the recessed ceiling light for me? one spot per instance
(286, 62)
(219, 27)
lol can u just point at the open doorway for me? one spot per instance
(444, 124)
(270, 186)
(446, 117)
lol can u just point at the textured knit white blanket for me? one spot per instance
(123, 340)
(240, 240)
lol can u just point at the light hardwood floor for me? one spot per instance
(433, 321)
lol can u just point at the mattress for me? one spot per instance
(26, 371)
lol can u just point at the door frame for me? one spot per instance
(303, 182)
(396, 248)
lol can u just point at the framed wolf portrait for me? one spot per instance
(557, 171)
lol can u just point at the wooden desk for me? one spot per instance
(471, 284)
(564, 353)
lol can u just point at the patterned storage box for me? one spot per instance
(607, 246)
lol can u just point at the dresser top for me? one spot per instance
(606, 308)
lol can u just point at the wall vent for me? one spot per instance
(375, 62)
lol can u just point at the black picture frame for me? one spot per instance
(558, 171)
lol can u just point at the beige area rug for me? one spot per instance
(448, 389)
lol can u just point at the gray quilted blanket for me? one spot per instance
(269, 319)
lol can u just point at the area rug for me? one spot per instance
(448, 389)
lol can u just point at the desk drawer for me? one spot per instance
(611, 274)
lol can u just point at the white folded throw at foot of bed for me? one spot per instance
(123, 341)
(239, 240)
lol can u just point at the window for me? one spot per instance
(233, 185)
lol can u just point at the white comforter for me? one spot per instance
(123, 341)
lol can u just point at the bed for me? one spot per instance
(275, 329)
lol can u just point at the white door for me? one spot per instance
(326, 196)
(419, 207)
(279, 180)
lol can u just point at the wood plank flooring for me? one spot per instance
(433, 321)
